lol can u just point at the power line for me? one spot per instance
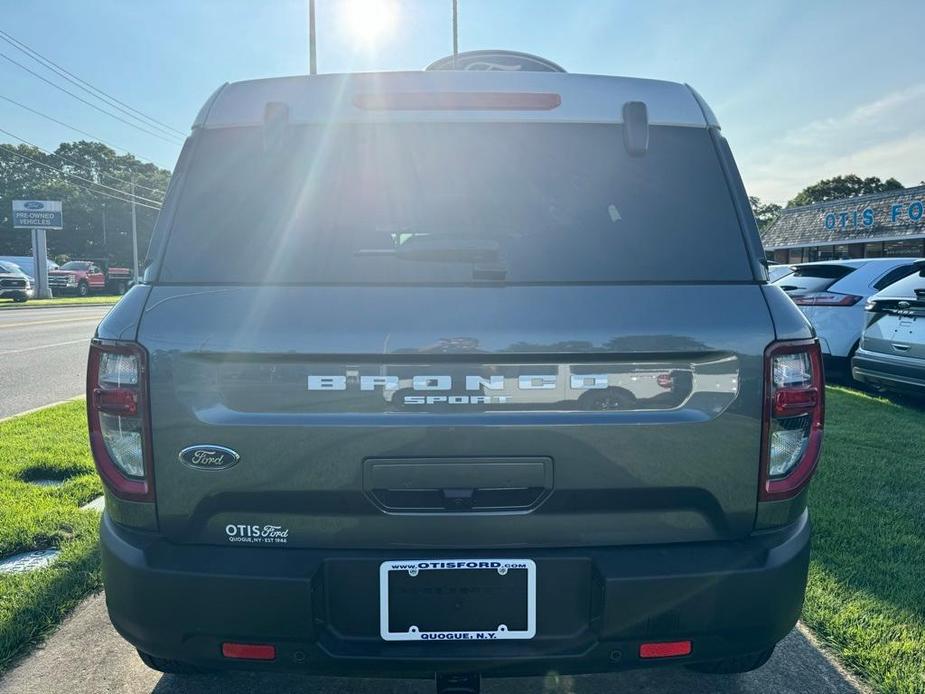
(89, 103)
(75, 129)
(87, 86)
(155, 206)
(77, 163)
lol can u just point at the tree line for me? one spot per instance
(97, 220)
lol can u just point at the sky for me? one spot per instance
(803, 89)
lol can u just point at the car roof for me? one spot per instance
(344, 98)
(856, 262)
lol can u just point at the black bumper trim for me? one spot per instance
(181, 602)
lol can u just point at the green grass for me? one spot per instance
(60, 301)
(866, 594)
(50, 444)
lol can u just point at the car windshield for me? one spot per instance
(10, 269)
(75, 265)
(453, 202)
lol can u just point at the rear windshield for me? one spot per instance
(813, 278)
(911, 286)
(453, 203)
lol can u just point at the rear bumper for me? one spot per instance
(889, 371)
(320, 608)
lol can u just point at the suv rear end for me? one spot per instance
(455, 373)
(892, 351)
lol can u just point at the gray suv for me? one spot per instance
(455, 373)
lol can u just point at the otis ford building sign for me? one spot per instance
(883, 224)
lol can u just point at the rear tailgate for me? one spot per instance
(664, 449)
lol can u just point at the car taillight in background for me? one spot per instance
(826, 299)
(117, 414)
(794, 411)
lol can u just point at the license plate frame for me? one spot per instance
(415, 566)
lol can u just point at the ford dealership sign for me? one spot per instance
(37, 214)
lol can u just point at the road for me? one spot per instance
(43, 355)
(86, 656)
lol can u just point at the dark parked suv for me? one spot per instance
(455, 373)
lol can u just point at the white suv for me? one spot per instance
(832, 295)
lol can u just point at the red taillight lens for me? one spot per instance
(249, 651)
(458, 101)
(826, 299)
(118, 418)
(665, 649)
(794, 411)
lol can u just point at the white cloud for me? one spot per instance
(882, 138)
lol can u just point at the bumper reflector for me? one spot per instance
(249, 651)
(666, 649)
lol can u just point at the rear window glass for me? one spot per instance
(453, 203)
(813, 278)
(907, 286)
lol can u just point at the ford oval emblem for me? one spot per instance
(209, 457)
(33, 205)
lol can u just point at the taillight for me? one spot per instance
(117, 415)
(826, 299)
(794, 410)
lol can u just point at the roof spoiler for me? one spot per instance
(635, 128)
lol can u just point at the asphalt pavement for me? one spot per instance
(86, 656)
(43, 355)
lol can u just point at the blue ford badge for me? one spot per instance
(33, 205)
(209, 457)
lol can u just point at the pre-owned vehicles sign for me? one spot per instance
(37, 214)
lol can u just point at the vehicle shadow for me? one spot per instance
(797, 667)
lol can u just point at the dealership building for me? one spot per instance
(867, 226)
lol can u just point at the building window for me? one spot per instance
(904, 249)
(873, 250)
(856, 250)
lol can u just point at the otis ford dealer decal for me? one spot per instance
(257, 534)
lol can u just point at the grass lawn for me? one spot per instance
(50, 444)
(866, 595)
(60, 301)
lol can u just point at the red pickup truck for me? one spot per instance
(81, 277)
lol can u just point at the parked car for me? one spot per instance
(776, 271)
(13, 283)
(832, 294)
(892, 351)
(496, 245)
(82, 277)
(27, 264)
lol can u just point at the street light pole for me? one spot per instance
(312, 61)
(134, 234)
(455, 33)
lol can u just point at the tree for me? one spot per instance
(95, 226)
(843, 187)
(765, 213)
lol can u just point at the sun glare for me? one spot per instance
(369, 20)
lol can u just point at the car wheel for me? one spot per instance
(20, 299)
(737, 664)
(121, 288)
(83, 289)
(172, 667)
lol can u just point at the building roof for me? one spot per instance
(889, 216)
(341, 98)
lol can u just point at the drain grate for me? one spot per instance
(28, 561)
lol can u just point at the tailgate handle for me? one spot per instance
(457, 484)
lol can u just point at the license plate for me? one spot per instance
(457, 599)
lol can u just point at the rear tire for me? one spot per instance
(171, 667)
(734, 665)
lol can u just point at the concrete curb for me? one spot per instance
(830, 655)
(30, 305)
(39, 409)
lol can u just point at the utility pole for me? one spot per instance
(455, 32)
(134, 234)
(105, 247)
(312, 61)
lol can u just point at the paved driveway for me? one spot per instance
(43, 355)
(86, 656)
